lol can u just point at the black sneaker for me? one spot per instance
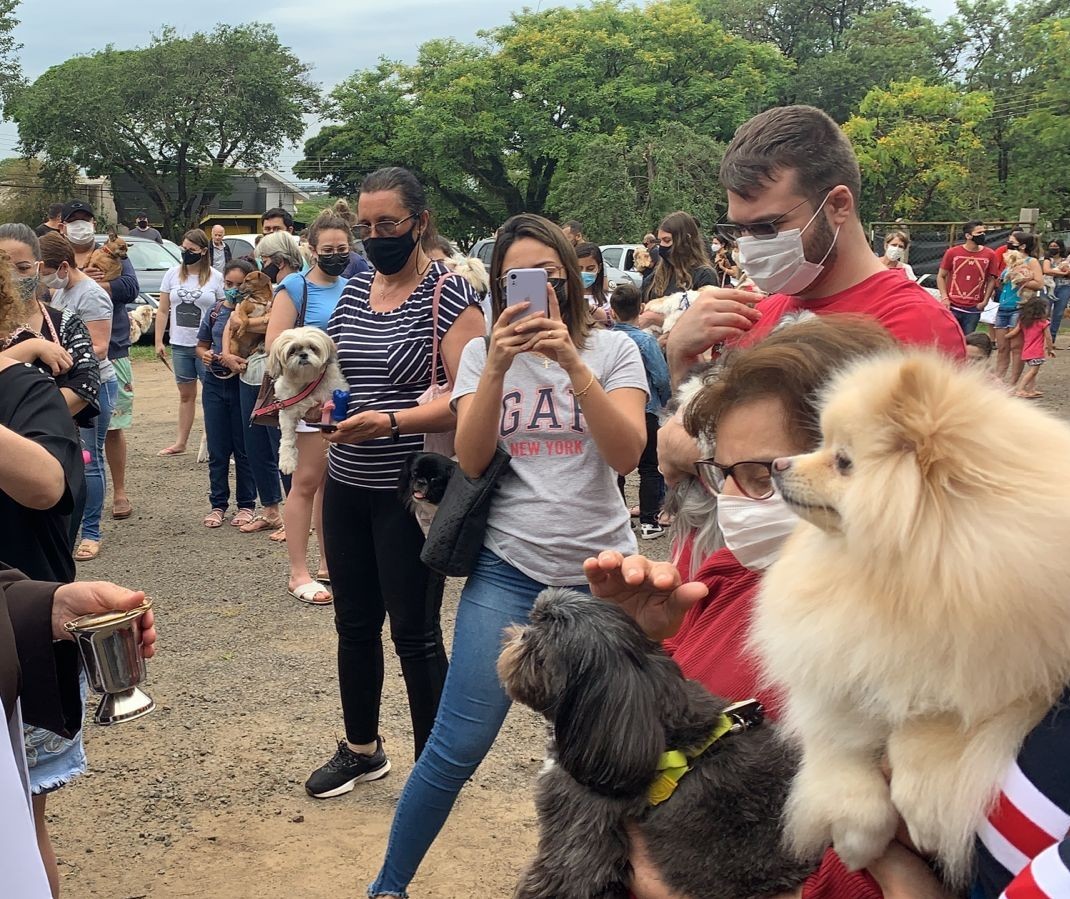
(346, 770)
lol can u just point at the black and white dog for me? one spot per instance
(616, 703)
(422, 485)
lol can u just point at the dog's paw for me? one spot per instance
(863, 838)
(287, 462)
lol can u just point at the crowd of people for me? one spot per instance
(779, 296)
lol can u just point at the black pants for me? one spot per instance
(651, 483)
(373, 544)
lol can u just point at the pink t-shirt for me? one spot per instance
(1033, 340)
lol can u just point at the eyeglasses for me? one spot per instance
(554, 273)
(761, 230)
(382, 229)
(753, 478)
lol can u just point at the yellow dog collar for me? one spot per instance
(675, 763)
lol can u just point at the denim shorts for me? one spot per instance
(187, 364)
(1004, 318)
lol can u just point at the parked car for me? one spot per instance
(151, 262)
(484, 249)
(621, 257)
(241, 244)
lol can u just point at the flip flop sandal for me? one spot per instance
(244, 516)
(214, 519)
(122, 512)
(87, 551)
(260, 523)
(306, 593)
(171, 451)
(279, 536)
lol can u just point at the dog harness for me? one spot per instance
(291, 400)
(675, 763)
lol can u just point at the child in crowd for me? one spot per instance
(979, 347)
(626, 306)
(1037, 344)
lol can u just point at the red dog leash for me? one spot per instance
(272, 408)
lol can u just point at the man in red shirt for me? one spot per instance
(793, 184)
(967, 277)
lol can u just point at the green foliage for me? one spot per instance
(520, 121)
(10, 70)
(24, 193)
(177, 116)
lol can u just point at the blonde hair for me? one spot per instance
(12, 307)
(197, 237)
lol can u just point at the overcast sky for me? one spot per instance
(337, 37)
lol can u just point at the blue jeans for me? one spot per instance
(470, 714)
(967, 320)
(1058, 308)
(96, 483)
(225, 430)
(262, 450)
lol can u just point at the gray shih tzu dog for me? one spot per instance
(616, 702)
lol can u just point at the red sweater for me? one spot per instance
(710, 648)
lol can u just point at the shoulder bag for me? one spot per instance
(441, 443)
(455, 538)
(267, 405)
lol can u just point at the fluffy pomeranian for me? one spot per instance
(919, 612)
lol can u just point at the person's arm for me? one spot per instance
(1049, 269)
(29, 474)
(1036, 280)
(283, 317)
(716, 316)
(1049, 344)
(163, 321)
(51, 354)
(990, 288)
(1015, 331)
(658, 370)
(100, 332)
(941, 285)
(123, 289)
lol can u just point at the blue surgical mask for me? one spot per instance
(233, 294)
(589, 278)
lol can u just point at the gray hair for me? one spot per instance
(21, 233)
(281, 244)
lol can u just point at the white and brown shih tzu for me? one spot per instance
(618, 706)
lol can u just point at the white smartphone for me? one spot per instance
(527, 285)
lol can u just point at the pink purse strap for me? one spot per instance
(434, 331)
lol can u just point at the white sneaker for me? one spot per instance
(651, 531)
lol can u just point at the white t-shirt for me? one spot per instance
(559, 502)
(190, 302)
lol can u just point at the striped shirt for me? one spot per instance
(1024, 845)
(386, 358)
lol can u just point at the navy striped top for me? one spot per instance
(386, 358)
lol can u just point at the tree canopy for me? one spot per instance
(177, 116)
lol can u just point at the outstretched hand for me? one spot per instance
(652, 593)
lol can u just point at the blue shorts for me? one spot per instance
(1004, 319)
(54, 761)
(187, 364)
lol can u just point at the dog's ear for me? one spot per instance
(608, 725)
(113, 234)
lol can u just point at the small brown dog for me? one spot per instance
(109, 257)
(256, 295)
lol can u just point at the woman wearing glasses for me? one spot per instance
(762, 408)
(383, 327)
(568, 402)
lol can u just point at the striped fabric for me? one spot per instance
(386, 358)
(1023, 849)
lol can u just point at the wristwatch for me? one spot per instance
(395, 431)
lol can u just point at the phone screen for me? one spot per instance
(527, 285)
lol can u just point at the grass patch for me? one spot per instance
(143, 353)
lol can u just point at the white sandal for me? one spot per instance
(307, 593)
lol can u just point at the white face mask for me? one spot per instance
(778, 264)
(894, 253)
(54, 281)
(755, 529)
(79, 232)
(715, 246)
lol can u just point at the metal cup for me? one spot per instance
(110, 645)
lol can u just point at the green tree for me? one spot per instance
(493, 127)
(25, 191)
(10, 70)
(178, 116)
(920, 149)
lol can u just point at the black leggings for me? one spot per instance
(373, 544)
(651, 483)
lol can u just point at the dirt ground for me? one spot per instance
(204, 797)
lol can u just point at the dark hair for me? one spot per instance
(598, 289)
(982, 341)
(23, 234)
(241, 263)
(625, 301)
(197, 237)
(575, 312)
(279, 213)
(55, 210)
(970, 226)
(1027, 240)
(1059, 244)
(438, 242)
(800, 139)
(688, 253)
(409, 190)
(1033, 310)
(574, 226)
(792, 364)
(55, 250)
(328, 220)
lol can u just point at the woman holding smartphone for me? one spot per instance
(568, 402)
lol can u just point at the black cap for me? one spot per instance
(73, 207)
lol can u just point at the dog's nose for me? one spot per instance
(781, 464)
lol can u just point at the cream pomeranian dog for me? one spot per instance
(304, 364)
(919, 613)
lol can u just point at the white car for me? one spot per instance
(621, 257)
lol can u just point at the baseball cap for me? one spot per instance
(73, 207)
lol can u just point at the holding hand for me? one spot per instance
(94, 597)
(359, 428)
(235, 363)
(652, 593)
(717, 315)
(51, 354)
(505, 341)
(551, 337)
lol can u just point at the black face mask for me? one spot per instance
(332, 264)
(1053, 251)
(142, 223)
(665, 253)
(979, 239)
(189, 257)
(560, 286)
(271, 270)
(390, 254)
